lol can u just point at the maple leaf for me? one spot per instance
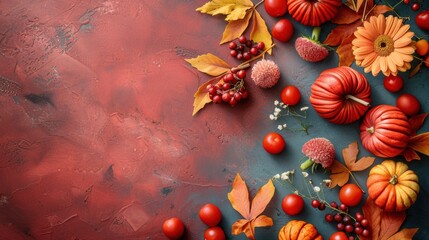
(340, 174)
(232, 9)
(404, 234)
(350, 16)
(210, 64)
(251, 212)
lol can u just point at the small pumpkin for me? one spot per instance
(392, 186)
(297, 229)
(385, 131)
(313, 13)
(341, 95)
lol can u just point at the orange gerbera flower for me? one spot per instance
(383, 44)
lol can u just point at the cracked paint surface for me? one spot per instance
(98, 141)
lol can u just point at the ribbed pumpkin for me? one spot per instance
(393, 186)
(385, 131)
(313, 13)
(297, 229)
(341, 95)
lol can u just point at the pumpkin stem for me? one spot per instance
(315, 34)
(308, 163)
(370, 129)
(394, 180)
(365, 103)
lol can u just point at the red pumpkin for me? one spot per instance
(313, 12)
(341, 95)
(385, 131)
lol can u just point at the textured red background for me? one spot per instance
(98, 141)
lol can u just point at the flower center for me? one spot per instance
(383, 45)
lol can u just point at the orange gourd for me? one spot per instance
(297, 229)
(392, 186)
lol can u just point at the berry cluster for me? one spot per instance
(231, 90)
(415, 6)
(244, 49)
(352, 226)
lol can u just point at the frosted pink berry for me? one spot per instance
(311, 50)
(319, 151)
(265, 73)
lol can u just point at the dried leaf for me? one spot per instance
(345, 52)
(340, 173)
(210, 64)
(233, 9)
(390, 223)
(346, 15)
(420, 143)
(379, 9)
(410, 155)
(201, 96)
(235, 29)
(415, 70)
(373, 214)
(239, 197)
(340, 33)
(261, 199)
(404, 234)
(260, 31)
(416, 122)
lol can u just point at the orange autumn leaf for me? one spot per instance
(232, 9)
(210, 64)
(390, 223)
(239, 198)
(416, 122)
(373, 213)
(201, 97)
(420, 143)
(404, 234)
(259, 32)
(234, 29)
(340, 174)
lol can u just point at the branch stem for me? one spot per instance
(365, 103)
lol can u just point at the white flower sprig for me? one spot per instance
(284, 110)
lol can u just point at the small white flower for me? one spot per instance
(279, 127)
(281, 104)
(277, 176)
(285, 125)
(276, 102)
(305, 174)
(272, 117)
(292, 171)
(285, 106)
(284, 176)
(304, 109)
(327, 181)
(296, 192)
(276, 114)
(316, 189)
(277, 110)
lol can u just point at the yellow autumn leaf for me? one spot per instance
(201, 96)
(260, 31)
(233, 9)
(210, 64)
(234, 29)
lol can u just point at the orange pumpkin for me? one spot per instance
(297, 229)
(393, 186)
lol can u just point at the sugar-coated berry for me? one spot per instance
(260, 45)
(242, 39)
(232, 45)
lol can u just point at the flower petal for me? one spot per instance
(401, 32)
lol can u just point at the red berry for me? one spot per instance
(244, 94)
(315, 203)
(351, 238)
(322, 206)
(241, 74)
(415, 7)
(217, 99)
(347, 220)
(240, 48)
(338, 218)
(249, 43)
(358, 230)
(228, 77)
(226, 86)
(359, 216)
(364, 222)
(343, 207)
(340, 226)
(239, 56)
(233, 53)
(233, 102)
(247, 56)
(365, 233)
(226, 97)
(334, 204)
(329, 217)
(242, 39)
(260, 45)
(406, 2)
(254, 51)
(232, 45)
(237, 96)
(212, 90)
(349, 228)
